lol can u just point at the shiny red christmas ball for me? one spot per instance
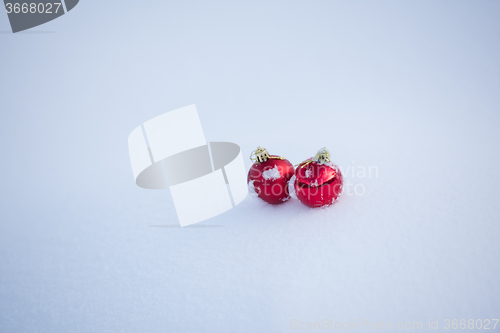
(318, 182)
(268, 177)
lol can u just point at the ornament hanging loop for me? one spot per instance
(304, 163)
(259, 155)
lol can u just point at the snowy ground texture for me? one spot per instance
(411, 87)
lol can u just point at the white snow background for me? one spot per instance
(411, 87)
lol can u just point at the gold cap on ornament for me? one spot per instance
(259, 155)
(322, 156)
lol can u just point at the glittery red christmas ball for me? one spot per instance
(318, 182)
(268, 177)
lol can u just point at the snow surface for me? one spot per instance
(251, 189)
(406, 88)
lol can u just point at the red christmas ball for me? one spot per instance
(268, 177)
(318, 182)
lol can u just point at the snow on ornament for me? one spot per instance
(269, 176)
(318, 181)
